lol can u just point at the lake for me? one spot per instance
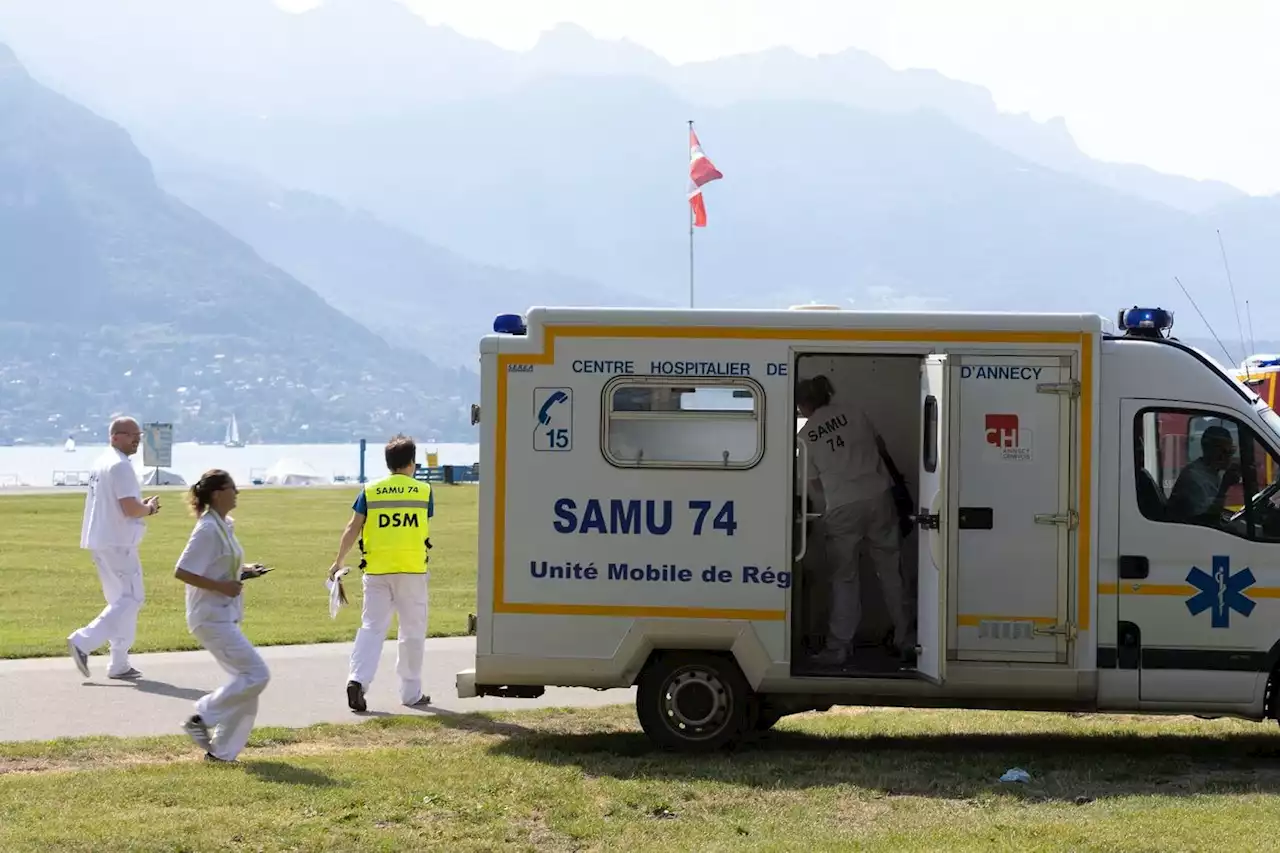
(37, 466)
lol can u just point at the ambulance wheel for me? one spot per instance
(693, 701)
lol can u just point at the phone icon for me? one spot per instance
(554, 430)
(544, 414)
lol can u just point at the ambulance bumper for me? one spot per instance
(467, 684)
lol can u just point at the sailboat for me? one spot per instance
(70, 446)
(233, 434)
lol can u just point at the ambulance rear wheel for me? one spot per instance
(693, 701)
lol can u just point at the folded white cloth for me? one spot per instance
(337, 595)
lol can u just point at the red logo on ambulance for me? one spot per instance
(1007, 439)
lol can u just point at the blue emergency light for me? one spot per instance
(509, 324)
(1145, 322)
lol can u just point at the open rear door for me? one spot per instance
(933, 520)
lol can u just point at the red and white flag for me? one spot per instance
(701, 171)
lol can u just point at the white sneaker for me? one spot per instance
(198, 732)
(80, 658)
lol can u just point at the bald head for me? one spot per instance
(126, 435)
(124, 425)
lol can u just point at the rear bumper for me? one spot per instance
(466, 682)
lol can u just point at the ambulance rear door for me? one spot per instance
(933, 520)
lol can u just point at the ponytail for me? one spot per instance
(814, 393)
(200, 495)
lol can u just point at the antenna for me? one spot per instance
(1248, 313)
(1202, 317)
(1231, 284)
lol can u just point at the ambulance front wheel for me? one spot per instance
(693, 701)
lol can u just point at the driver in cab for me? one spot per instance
(1199, 495)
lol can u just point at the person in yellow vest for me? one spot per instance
(390, 521)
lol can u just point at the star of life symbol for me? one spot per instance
(1221, 592)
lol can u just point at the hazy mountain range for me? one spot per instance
(422, 182)
(116, 297)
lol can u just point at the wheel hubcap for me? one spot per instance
(696, 703)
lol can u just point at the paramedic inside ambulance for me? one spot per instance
(844, 463)
(1201, 489)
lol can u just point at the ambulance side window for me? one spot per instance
(1203, 468)
(669, 423)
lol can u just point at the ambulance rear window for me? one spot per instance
(665, 423)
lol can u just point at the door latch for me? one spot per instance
(926, 520)
(1070, 388)
(1071, 518)
(1068, 630)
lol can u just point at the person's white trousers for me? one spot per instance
(872, 523)
(120, 572)
(404, 596)
(230, 710)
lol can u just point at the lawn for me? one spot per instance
(857, 779)
(51, 587)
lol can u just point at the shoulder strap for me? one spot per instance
(888, 461)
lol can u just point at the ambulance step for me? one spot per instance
(511, 691)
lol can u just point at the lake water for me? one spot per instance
(37, 466)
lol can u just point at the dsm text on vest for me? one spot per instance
(396, 526)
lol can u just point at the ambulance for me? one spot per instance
(1070, 542)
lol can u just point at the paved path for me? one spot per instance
(46, 698)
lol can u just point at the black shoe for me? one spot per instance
(355, 697)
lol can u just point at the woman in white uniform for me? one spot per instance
(212, 567)
(844, 461)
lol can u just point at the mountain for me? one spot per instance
(390, 280)
(116, 297)
(161, 68)
(819, 201)
(872, 188)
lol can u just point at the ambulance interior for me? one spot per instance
(888, 390)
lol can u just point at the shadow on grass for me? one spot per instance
(481, 724)
(289, 774)
(1068, 768)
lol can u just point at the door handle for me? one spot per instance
(1134, 566)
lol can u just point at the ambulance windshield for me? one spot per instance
(1272, 420)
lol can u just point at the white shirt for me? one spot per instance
(841, 445)
(212, 552)
(105, 525)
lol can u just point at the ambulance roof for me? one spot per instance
(825, 319)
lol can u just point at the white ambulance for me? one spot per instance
(1095, 527)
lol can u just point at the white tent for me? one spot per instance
(292, 472)
(162, 477)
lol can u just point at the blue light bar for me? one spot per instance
(1146, 321)
(509, 324)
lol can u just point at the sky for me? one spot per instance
(1184, 87)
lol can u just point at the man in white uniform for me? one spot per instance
(391, 522)
(844, 462)
(111, 531)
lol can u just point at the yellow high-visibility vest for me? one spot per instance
(396, 526)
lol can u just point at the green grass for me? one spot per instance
(51, 587)
(858, 779)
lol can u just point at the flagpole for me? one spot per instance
(689, 213)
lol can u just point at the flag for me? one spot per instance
(701, 171)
